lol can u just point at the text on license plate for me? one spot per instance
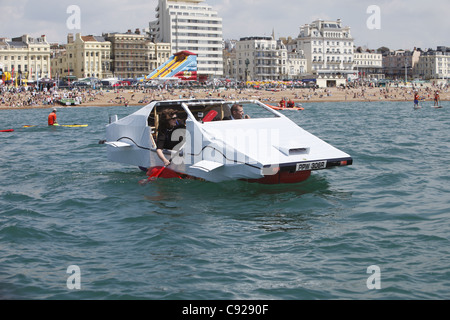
(316, 165)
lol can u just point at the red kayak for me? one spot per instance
(8, 130)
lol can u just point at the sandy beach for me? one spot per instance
(136, 97)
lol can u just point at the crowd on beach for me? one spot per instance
(342, 94)
(22, 97)
(17, 97)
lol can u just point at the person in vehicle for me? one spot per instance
(169, 123)
(237, 113)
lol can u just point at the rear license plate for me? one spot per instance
(316, 165)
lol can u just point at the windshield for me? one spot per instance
(230, 111)
(211, 111)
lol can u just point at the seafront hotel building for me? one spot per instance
(328, 48)
(134, 55)
(368, 64)
(191, 25)
(122, 55)
(262, 58)
(434, 64)
(26, 57)
(85, 56)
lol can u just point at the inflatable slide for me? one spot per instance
(182, 65)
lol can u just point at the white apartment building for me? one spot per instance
(368, 64)
(328, 48)
(194, 26)
(296, 65)
(434, 64)
(261, 58)
(28, 57)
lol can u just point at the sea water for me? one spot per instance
(75, 226)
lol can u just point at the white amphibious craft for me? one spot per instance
(267, 148)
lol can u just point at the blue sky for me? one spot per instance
(402, 24)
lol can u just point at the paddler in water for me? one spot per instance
(436, 99)
(52, 119)
(290, 104)
(416, 99)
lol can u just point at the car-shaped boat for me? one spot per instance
(267, 147)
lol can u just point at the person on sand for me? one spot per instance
(52, 118)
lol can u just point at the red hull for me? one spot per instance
(283, 177)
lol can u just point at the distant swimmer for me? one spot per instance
(52, 118)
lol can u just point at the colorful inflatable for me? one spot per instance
(6, 76)
(182, 65)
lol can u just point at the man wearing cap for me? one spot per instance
(52, 118)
